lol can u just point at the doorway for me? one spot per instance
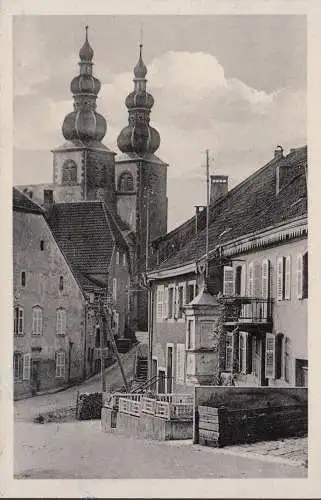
(35, 376)
(161, 381)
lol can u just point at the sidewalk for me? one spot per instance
(289, 451)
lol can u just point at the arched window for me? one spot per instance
(126, 182)
(69, 173)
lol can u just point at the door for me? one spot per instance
(161, 381)
(169, 370)
(35, 376)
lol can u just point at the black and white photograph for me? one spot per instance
(160, 247)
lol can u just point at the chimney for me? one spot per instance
(278, 153)
(219, 187)
(198, 210)
(48, 200)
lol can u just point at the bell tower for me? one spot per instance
(141, 177)
(83, 167)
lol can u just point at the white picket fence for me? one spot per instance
(167, 406)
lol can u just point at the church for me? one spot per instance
(129, 186)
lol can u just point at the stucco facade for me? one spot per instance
(43, 284)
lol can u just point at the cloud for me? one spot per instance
(196, 107)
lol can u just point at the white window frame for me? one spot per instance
(61, 321)
(60, 364)
(26, 366)
(37, 320)
(18, 322)
(114, 289)
(165, 303)
(228, 281)
(181, 285)
(159, 303)
(180, 362)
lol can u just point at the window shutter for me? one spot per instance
(176, 301)
(287, 278)
(270, 356)
(228, 285)
(257, 285)
(165, 305)
(160, 303)
(265, 279)
(180, 362)
(299, 276)
(21, 321)
(250, 291)
(279, 279)
(26, 367)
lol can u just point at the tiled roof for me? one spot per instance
(86, 231)
(251, 206)
(21, 202)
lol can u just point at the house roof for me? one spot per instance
(251, 206)
(21, 202)
(86, 232)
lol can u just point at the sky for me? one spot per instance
(235, 85)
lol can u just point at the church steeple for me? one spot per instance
(139, 137)
(84, 123)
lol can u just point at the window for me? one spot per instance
(190, 334)
(97, 336)
(42, 245)
(171, 298)
(279, 355)
(17, 366)
(117, 258)
(60, 365)
(270, 355)
(69, 173)
(61, 283)
(124, 259)
(36, 320)
(18, 320)
(180, 300)
(250, 280)
(61, 321)
(165, 305)
(302, 276)
(23, 278)
(114, 289)
(160, 303)
(229, 352)
(26, 367)
(191, 289)
(283, 278)
(126, 182)
(238, 280)
(228, 284)
(180, 362)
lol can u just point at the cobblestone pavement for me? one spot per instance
(77, 450)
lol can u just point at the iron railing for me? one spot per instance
(250, 310)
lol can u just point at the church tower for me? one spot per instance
(84, 168)
(141, 180)
(141, 177)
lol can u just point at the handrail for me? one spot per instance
(148, 383)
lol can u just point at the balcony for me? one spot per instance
(247, 311)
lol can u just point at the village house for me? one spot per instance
(246, 323)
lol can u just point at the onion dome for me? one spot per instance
(138, 136)
(84, 123)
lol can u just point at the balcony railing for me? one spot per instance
(247, 310)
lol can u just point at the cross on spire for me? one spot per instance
(86, 29)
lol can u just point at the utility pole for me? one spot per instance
(207, 214)
(101, 329)
(147, 230)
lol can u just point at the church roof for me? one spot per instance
(250, 207)
(21, 202)
(152, 158)
(86, 232)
